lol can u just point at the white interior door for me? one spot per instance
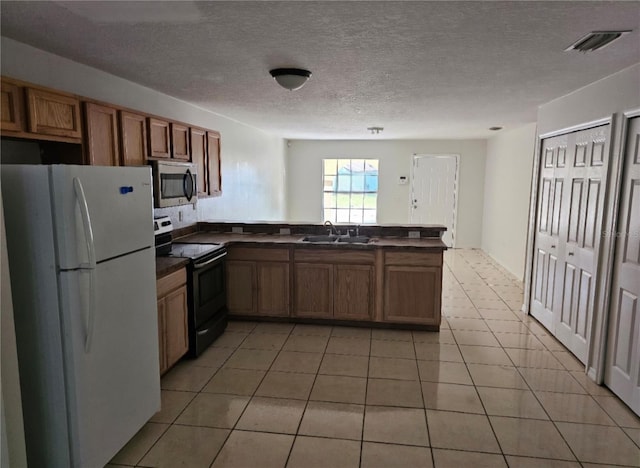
(434, 190)
(568, 231)
(549, 247)
(622, 373)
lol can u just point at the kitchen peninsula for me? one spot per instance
(386, 276)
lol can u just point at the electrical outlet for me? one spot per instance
(285, 231)
(236, 229)
(414, 234)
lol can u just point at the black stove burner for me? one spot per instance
(193, 251)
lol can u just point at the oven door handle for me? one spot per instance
(197, 266)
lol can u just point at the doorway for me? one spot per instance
(434, 192)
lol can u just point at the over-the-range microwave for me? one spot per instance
(174, 183)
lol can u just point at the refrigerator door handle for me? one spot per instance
(91, 250)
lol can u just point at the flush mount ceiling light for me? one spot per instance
(374, 130)
(596, 40)
(290, 78)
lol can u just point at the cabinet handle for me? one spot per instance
(570, 254)
(553, 246)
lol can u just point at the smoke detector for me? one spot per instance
(596, 40)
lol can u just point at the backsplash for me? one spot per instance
(189, 215)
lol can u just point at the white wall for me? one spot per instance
(253, 162)
(304, 178)
(507, 188)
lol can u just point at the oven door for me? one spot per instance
(209, 296)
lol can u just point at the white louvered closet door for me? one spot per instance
(622, 372)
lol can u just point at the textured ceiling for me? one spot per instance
(440, 69)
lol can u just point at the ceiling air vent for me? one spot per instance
(596, 40)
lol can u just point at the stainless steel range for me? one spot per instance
(206, 286)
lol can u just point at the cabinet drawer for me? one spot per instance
(258, 254)
(170, 282)
(413, 258)
(365, 257)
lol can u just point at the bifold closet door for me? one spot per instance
(548, 243)
(571, 199)
(622, 372)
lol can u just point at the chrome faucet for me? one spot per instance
(332, 228)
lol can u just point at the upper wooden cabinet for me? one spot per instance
(53, 114)
(213, 162)
(199, 157)
(133, 139)
(180, 142)
(12, 107)
(101, 143)
(159, 139)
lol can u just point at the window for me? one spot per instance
(350, 190)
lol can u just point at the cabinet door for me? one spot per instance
(101, 145)
(412, 294)
(180, 142)
(12, 107)
(53, 114)
(199, 158)
(161, 343)
(313, 286)
(133, 136)
(175, 325)
(273, 289)
(241, 287)
(159, 141)
(213, 162)
(353, 292)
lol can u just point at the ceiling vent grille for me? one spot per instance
(596, 40)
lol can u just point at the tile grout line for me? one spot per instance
(252, 395)
(539, 402)
(364, 406)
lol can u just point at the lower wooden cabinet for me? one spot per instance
(172, 318)
(353, 292)
(258, 281)
(313, 286)
(412, 288)
(334, 284)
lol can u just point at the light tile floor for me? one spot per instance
(491, 389)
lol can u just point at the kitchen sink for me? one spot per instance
(354, 239)
(334, 238)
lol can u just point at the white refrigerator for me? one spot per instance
(82, 265)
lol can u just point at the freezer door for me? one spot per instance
(120, 209)
(114, 388)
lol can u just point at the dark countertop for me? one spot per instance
(166, 265)
(226, 238)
